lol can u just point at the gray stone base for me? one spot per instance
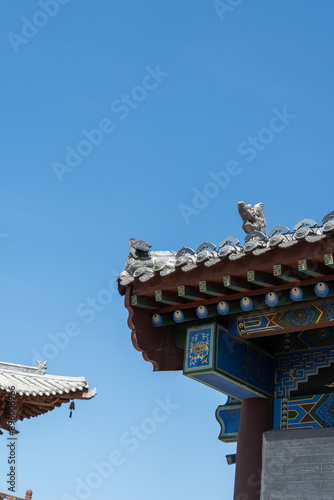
(298, 465)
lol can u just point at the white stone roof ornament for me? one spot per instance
(41, 366)
(253, 217)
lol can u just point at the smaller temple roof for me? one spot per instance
(32, 381)
(31, 392)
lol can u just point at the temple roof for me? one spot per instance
(34, 392)
(32, 381)
(164, 263)
(165, 291)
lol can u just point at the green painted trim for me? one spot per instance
(166, 298)
(142, 302)
(235, 284)
(258, 278)
(209, 289)
(303, 267)
(183, 291)
(281, 272)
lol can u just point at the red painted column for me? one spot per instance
(256, 417)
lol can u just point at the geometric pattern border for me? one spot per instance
(297, 316)
(294, 368)
(305, 412)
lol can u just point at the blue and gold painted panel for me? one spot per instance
(296, 369)
(199, 348)
(305, 412)
(232, 366)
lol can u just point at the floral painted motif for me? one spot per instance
(199, 349)
(300, 317)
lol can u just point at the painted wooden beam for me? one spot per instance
(235, 306)
(260, 278)
(210, 288)
(164, 297)
(210, 311)
(143, 302)
(273, 299)
(225, 308)
(190, 292)
(322, 289)
(162, 320)
(235, 283)
(285, 273)
(180, 316)
(297, 294)
(311, 267)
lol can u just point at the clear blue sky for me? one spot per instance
(179, 90)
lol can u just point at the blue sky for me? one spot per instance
(118, 119)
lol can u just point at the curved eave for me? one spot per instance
(156, 344)
(157, 347)
(26, 392)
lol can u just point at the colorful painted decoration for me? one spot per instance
(202, 312)
(304, 412)
(178, 316)
(309, 339)
(296, 294)
(271, 299)
(321, 289)
(199, 348)
(246, 304)
(223, 308)
(288, 317)
(156, 320)
(295, 368)
(228, 416)
(231, 366)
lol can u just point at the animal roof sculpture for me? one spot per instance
(252, 217)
